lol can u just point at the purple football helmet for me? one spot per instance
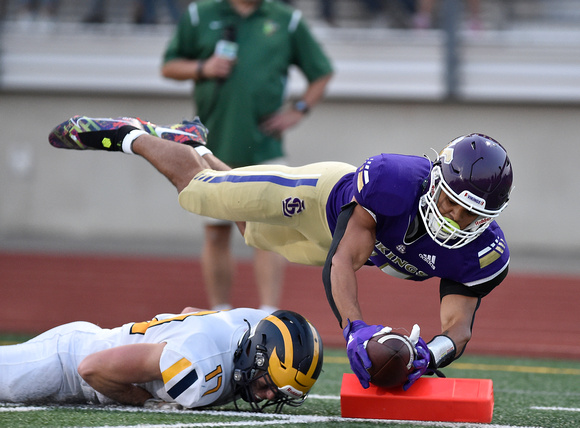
(475, 172)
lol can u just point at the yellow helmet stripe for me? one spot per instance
(286, 375)
(286, 336)
(301, 381)
(306, 379)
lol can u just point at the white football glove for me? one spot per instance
(415, 333)
(384, 330)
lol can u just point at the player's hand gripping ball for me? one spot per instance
(392, 355)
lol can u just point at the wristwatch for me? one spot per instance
(301, 106)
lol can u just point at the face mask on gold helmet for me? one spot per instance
(286, 350)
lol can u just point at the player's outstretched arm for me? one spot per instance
(352, 245)
(456, 314)
(113, 372)
(352, 252)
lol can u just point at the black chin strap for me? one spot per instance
(341, 223)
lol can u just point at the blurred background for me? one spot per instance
(511, 70)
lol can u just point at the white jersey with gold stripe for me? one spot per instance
(196, 363)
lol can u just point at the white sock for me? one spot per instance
(127, 144)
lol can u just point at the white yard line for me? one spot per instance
(262, 419)
(557, 409)
(21, 409)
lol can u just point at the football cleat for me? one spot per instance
(190, 132)
(87, 133)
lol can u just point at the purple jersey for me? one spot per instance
(389, 187)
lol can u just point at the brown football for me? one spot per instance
(392, 355)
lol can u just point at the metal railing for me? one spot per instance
(526, 51)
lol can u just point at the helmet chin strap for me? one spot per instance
(244, 379)
(242, 340)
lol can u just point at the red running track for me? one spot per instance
(528, 315)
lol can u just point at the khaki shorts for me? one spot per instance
(284, 207)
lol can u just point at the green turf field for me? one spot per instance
(528, 393)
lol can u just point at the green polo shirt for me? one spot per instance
(269, 40)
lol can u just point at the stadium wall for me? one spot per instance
(520, 86)
(69, 195)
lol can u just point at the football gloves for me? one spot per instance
(424, 363)
(357, 333)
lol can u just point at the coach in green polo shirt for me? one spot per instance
(238, 52)
(240, 99)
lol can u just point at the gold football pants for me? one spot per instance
(284, 207)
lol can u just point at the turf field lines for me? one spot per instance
(557, 409)
(528, 392)
(20, 408)
(335, 360)
(323, 397)
(308, 420)
(248, 419)
(514, 368)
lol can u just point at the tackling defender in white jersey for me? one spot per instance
(194, 359)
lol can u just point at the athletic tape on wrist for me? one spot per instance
(127, 144)
(443, 350)
(202, 150)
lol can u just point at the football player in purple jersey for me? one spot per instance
(411, 217)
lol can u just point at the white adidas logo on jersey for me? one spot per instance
(429, 259)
